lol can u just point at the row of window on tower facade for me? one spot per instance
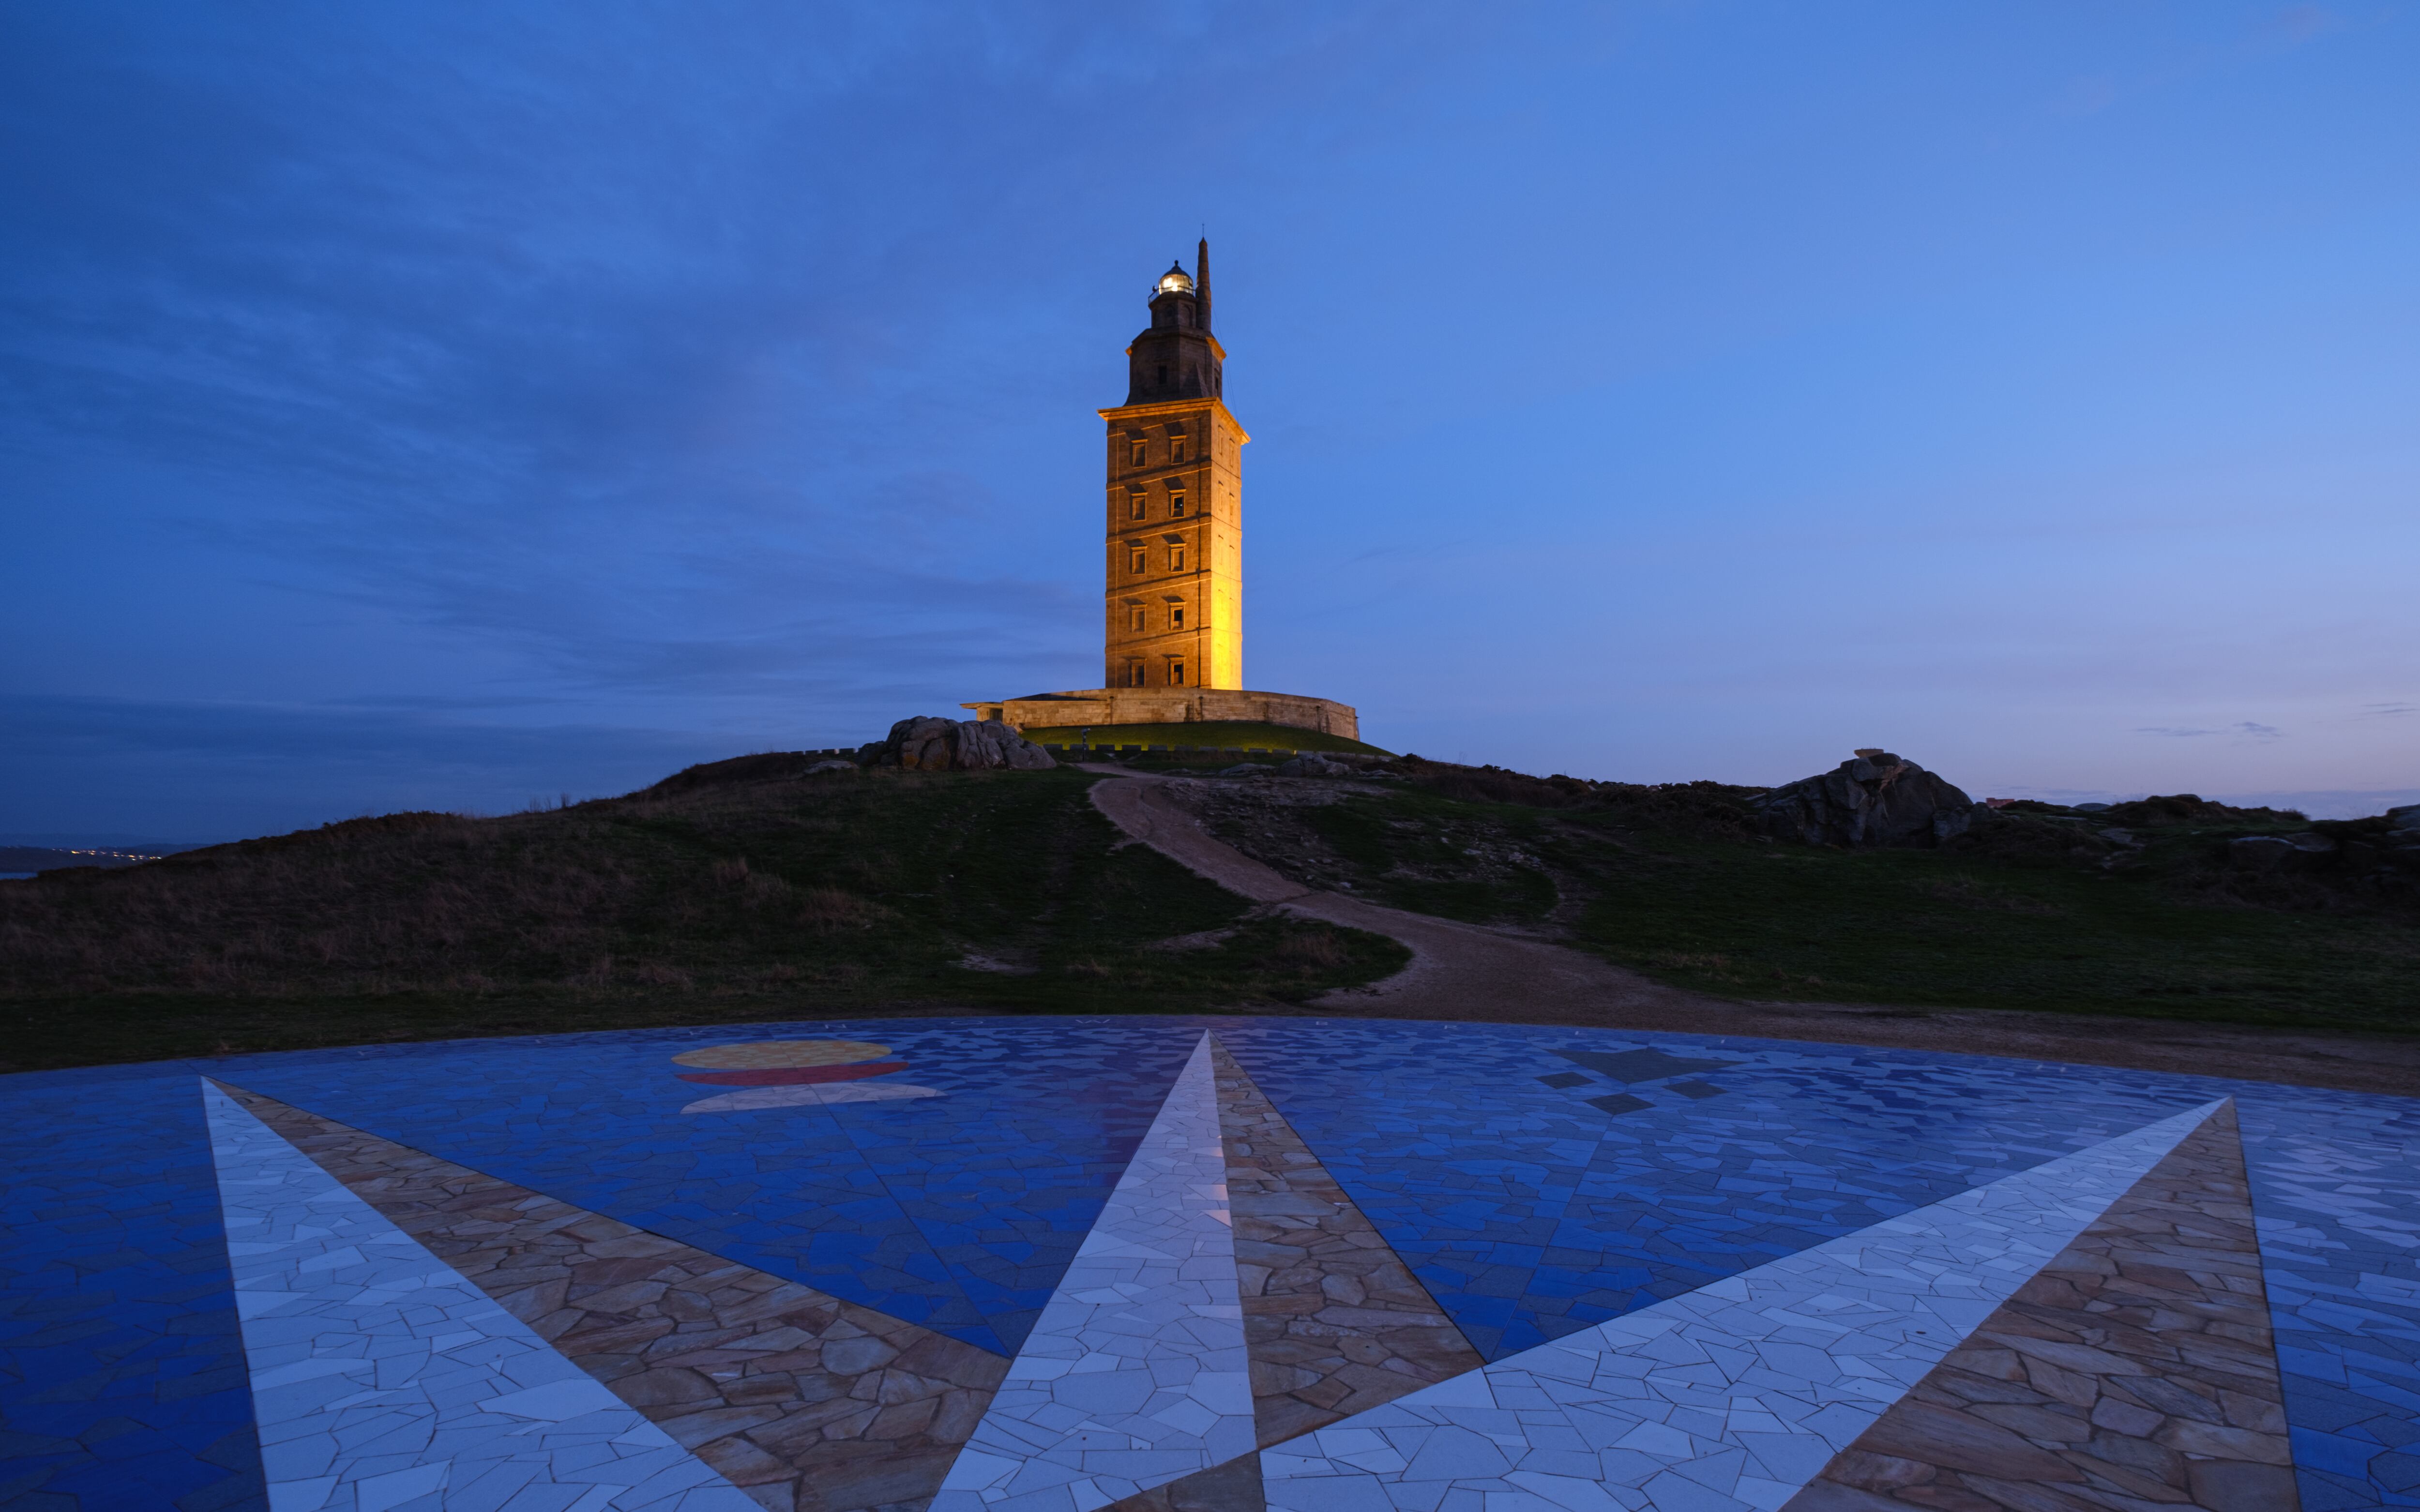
(1137, 675)
(1139, 617)
(1139, 446)
(1138, 503)
(1139, 558)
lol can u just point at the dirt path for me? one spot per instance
(1462, 971)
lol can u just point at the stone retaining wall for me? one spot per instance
(1173, 705)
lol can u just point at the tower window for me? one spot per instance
(1134, 618)
(1139, 562)
(1134, 505)
(1176, 448)
(1134, 674)
(1176, 559)
(1177, 674)
(1135, 452)
(1176, 504)
(1176, 616)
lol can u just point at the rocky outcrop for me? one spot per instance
(1311, 763)
(2382, 850)
(931, 745)
(2175, 809)
(1874, 798)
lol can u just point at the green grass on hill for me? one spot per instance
(1914, 926)
(1214, 733)
(736, 892)
(702, 902)
(1743, 918)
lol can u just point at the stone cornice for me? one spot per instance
(1177, 406)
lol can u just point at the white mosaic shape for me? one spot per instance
(383, 1377)
(1136, 1374)
(1732, 1396)
(823, 1095)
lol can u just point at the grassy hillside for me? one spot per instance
(1210, 734)
(744, 891)
(727, 893)
(2033, 913)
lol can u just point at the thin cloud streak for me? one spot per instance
(2242, 728)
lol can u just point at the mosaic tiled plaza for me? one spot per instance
(1202, 1265)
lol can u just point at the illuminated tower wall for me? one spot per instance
(1173, 608)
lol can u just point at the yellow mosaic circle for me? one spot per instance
(772, 1055)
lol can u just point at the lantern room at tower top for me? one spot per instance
(1173, 604)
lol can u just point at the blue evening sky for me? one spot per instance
(429, 406)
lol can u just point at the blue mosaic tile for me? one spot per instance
(1531, 1214)
(958, 1212)
(1481, 1152)
(2336, 1191)
(122, 1381)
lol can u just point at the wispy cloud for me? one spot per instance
(2386, 711)
(2241, 730)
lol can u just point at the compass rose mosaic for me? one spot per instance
(1202, 1265)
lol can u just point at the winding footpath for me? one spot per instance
(1467, 971)
(1457, 970)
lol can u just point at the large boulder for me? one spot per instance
(1872, 798)
(931, 745)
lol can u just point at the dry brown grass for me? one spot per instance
(444, 904)
(827, 909)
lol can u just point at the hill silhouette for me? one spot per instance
(758, 888)
(728, 892)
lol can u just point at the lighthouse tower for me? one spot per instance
(1172, 610)
(1172, 545)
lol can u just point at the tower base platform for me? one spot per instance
(1171, 705)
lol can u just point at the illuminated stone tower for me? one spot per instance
(1173, 613)
(1173, 608)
